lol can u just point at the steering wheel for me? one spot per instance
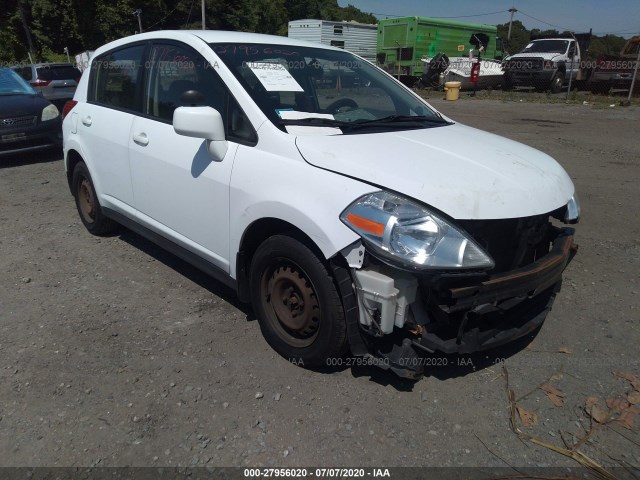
(336, 106)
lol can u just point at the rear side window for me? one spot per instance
(61, 72)
(116, 78)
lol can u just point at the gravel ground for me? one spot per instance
(114, 353)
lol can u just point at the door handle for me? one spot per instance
(141, 139)
(86, 121)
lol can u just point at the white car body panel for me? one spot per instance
(463, 172)
(178, 185)
(272, 180)
(107, 156)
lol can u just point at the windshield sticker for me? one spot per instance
(274, 77)
(304, 129)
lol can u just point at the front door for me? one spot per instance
(179, 191)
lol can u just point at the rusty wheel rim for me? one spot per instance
(292, 305)
(86, 201)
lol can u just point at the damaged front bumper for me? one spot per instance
(402, 317)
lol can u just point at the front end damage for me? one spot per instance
(400, 317)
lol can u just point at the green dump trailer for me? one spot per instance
(402, 42)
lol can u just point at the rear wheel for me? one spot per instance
(87, 202)
(296, 301)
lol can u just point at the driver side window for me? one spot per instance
(175, 70)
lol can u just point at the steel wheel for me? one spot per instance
(87, 202)
(296, 302)
(557, 83)
(291, 304)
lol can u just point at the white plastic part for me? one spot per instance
(202, 122)
(407, 287)
(389, 296)
(354, 254)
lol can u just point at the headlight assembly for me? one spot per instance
(49, 113)
(410, 234)
(572, 213)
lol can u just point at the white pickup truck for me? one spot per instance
(547, 63)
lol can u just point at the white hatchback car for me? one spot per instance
(349, 212)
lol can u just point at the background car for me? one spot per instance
(56, 81)
(27, 121)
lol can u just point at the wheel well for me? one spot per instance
(73, 158)
(257, 233)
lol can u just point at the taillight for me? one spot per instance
(68, 106)
(40, 83)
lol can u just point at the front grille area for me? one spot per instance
(16, 122)
(514, 242)
(524, 64)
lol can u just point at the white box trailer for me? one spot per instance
(358, 38)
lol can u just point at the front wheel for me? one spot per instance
(296, 301)
(557, 83)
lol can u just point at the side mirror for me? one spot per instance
(205, 123)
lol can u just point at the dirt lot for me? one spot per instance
(115, 353)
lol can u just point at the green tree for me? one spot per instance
(519, 36)
(87, 24)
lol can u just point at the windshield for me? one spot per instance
(12, 84)
(323, 88)
(547, 46)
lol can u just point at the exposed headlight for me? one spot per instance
(549, 64)
(49, 113)
(572, 213)
(408, 233)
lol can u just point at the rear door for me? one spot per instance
(114, 99)
(573, 62)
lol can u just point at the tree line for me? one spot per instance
(46, 27)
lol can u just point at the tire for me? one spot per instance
(307, 324)
(507, 82)
(87, 203)
(557, 82)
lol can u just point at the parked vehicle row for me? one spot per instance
(28, 122)
(56, 82)
(358, 220)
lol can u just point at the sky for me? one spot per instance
(619, 17)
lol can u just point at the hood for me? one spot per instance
(543, 55)
(23, 104)
(463, 172)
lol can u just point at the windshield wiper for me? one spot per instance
(401, 120)
(393, 121)
(314, 122)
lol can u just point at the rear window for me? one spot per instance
(62, 72)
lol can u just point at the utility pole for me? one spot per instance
(633, 80)
(138, 13)
(204, 27)
(26, 28)
(512, 10)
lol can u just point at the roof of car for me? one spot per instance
(213, 36)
